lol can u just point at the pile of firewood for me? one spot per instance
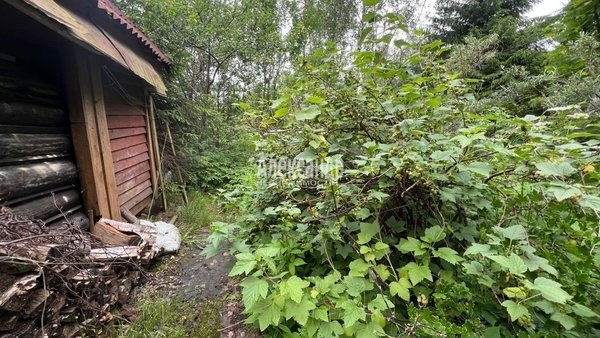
(54, 281)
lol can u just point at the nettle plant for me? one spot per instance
(443, 222)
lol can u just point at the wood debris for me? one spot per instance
(56, 279)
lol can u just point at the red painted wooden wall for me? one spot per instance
(129, 144)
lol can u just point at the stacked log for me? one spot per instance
(55, 280)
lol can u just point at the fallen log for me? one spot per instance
(129, 216)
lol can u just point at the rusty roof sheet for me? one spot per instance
(118, 15)
(90, 36)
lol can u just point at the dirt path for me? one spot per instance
(204, 285)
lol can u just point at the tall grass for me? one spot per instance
(198, 214)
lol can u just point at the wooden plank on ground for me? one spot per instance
(126, 121)
(118, 133)
(126, 153)
(117, 253)
(141, 230)
(132, 172)
(127, 142)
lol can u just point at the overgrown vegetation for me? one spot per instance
(199, 213)
(444, 220)
(457, 189)
(171, 317)
(164, 313)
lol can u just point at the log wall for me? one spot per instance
(126, 118)
(38, 175)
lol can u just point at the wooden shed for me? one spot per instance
(76, 111)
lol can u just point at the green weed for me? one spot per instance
(163, 316)
(198, 214)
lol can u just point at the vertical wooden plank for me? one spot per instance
(104, 139)
(85, 131)
(153, 177)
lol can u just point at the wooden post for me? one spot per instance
(149, 137)
(90, 133)
(104, 140)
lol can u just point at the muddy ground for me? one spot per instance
(195, 279)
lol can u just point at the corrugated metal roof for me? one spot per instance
(92, 37)
(118, 15)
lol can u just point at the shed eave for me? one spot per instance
(90, 36)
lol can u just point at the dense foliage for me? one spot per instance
(225, 52)
(406, 187)
(432, 216)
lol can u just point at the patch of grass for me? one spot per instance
(162, 316)
(199, 213)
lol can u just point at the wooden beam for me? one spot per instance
(21, 145)
(22, 180)
(91, 140)
(104, 139)
(153, 177)
(48, 206)
(31, 114)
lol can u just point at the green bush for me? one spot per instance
(442, 222)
